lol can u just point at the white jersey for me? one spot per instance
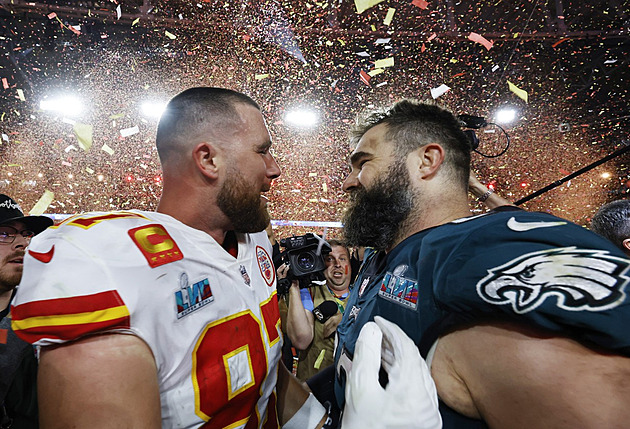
(210, 319)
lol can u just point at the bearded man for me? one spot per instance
(522, 317)
(169, 318)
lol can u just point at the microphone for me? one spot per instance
(325, 311)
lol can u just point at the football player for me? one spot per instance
(169, 318)
(522, 317)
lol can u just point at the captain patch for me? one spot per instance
(155, 244)
(402, 290)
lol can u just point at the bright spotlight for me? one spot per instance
(68, 105)
(606, 175)
(153, 109)
(505, 116)
(302, 118)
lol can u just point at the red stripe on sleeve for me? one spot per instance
(72, 305)
(71, 332)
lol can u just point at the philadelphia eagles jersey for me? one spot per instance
(528, 267)
(210, 319)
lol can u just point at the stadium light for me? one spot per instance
(304, 118)
(153, 109)
(66, 104)
(505, 115)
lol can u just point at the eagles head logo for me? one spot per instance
(579, 279)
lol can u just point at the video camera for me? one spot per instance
(305, 256)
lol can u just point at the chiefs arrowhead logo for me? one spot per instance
(43, 257)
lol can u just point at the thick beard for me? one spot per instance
(376, 217)
(242, 204)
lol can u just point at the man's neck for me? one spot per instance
(337, 293)
(5, 299)
(435, 212)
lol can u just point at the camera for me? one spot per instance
(305, 256)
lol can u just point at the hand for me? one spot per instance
(475, 187)
(330, 326)
(410, 398)
(283, 271)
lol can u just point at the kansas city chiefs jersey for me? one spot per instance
(210, 319)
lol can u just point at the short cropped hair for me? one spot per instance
(612, 221)
(412, 124)
(338, 243)
(193, 114)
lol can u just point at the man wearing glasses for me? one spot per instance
(17, 361)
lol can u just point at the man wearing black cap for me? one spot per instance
(17, 362)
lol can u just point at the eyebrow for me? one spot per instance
(357, 156)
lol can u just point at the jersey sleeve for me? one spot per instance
(66, 293)
(561, 278)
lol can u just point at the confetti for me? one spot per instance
(170, 35)
(118, 12)
(107, 149)
(42, 204)
(422, 4)
(126, 132)
(439, 91)
(5, 83)
(363, 5)
(522, 94)
(365, 78)
(374, 72)
(387, 62)
(21, 95)
(261, 76)
(83, 132)
(390, 15)
(480, 39)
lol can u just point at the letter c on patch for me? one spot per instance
(146, 236)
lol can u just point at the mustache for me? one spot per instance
(14, 255)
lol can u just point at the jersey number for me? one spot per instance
(229, 366)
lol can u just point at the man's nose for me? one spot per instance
(21, 241)
(351, 182)
(273, 170)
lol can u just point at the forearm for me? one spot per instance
(299, 327)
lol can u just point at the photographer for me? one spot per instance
(312, 317)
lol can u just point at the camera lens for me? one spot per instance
(305, 261)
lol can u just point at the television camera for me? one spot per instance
(305, 255)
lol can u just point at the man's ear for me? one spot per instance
(206, 161)
(427, 160)
(626, 245)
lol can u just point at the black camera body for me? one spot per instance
(305, 255)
